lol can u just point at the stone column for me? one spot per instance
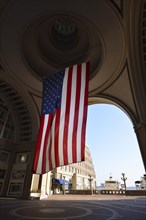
(74, 181)
(140, 131)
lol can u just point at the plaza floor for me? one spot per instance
(69, 207)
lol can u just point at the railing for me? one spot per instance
(109, 192)
(80, 192)
(113, 192)
(91, 192)
(136, 192)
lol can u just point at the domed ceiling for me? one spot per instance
(38, 40)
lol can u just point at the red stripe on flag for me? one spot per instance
(49, 152)
(67, 113)
(76, 114)
(85, 113)
(38, 145)
(56, 144)
(50, 119)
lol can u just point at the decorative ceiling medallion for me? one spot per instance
(64, 33)
(56, 42)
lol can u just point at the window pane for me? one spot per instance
(4, 156)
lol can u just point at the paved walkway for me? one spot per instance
(91, 197)
(79, 207)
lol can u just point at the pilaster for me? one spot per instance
(140, 131)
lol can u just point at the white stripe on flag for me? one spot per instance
(72, 111)
(62, 116)
(53, 143)
(81, 110)
(47, 150)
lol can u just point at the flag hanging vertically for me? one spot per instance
(61, 138)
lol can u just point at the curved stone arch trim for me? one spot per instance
(117, 103)
(136, 60)
(119, 6)
(131, 87)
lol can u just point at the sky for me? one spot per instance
(113, 144)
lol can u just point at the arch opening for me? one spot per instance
(112, 142)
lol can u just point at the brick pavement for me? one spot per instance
(75, 207)
(89, 197)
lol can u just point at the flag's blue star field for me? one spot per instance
(52, 92)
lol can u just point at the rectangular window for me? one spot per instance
(15, 189)
(1, 185)
(2, 173)
(4, 156)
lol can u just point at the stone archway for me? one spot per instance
(139, 129)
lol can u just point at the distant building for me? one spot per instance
(77, 176)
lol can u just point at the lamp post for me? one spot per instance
(90, 180)
(124, 180)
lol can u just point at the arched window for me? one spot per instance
(7, 129)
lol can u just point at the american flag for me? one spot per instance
(61, 137)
